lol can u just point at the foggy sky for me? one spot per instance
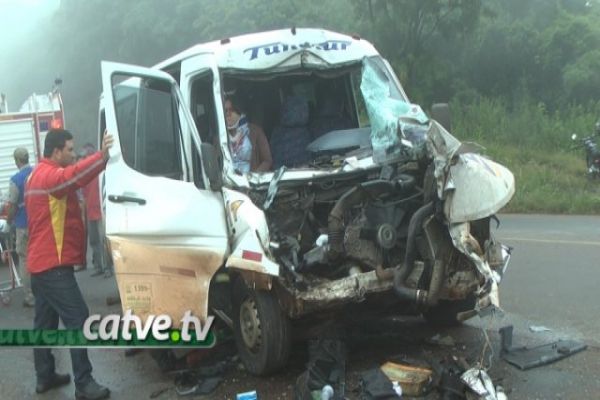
(18, 37)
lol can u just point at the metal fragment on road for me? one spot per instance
(525, 357)
(480, 383)
(539, 328)
(442, 340)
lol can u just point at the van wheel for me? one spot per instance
(261, 329)
(444, 313)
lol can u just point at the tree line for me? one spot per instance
(513, 51)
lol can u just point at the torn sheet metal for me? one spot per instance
(473, 186)
(442, 146)
(481, 384)
(481, 188)
(273, 187)
(498, 257)
(468, 245)
(397, 127)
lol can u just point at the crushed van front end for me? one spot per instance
(396, 228)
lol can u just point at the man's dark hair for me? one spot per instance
(56, 139)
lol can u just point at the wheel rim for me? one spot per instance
(250, 324)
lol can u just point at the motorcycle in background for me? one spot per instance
(592, 153)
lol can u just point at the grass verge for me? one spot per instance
(550, 176)
(548, 182)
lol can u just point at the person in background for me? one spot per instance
(81, 267)
(17, 215)
(91, 195)
(56, 244)
(248, 144)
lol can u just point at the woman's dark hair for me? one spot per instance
(237, 104)
(55, 139)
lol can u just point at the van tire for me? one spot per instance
(262, 331)
(445, 312)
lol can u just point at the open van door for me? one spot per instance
(166, 227)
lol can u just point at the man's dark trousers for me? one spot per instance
(57, 295)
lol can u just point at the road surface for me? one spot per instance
(552, 281)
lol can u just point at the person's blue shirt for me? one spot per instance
(19, 180)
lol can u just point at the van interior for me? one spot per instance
(293, 109)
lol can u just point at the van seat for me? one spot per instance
(291, 137)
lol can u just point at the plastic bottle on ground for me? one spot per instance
(247, 396)
(326, 392)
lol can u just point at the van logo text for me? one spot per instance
(278, 47)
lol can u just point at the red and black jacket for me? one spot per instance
(56, 230)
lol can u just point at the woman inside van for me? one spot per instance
(248, 144)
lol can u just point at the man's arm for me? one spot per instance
(65, 180)
(78, 175)
(264, 151)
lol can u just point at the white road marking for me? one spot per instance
(552, 241)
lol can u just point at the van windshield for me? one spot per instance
(307, 119)
(397, 127)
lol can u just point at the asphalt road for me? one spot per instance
(554, 275)
(551, 282)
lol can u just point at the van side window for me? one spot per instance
(202, 107)
(148, 123)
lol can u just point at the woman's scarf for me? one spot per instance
(239, 144)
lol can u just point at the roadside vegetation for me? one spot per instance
(521, 76)
(549, 168)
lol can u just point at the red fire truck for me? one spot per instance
(27, 128)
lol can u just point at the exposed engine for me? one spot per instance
(335, 228)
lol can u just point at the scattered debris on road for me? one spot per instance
(326, 367)
(247, 396)
(440, 340)
(413, 380)
(481, 384)
(189, 385)
(159, 392)
(539, 328)
(448, 382)
(530, 357)
(374, 384)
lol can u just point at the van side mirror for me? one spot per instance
(212, 166)
(441, 113)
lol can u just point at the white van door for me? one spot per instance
(166, 228)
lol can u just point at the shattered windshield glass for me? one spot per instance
(398, 128)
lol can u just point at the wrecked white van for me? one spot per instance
(368, 200)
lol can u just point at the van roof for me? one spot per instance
(284, 48)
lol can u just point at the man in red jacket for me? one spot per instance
(56, 243)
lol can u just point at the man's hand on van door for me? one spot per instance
(107, 142)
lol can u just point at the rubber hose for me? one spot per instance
(402, 272)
